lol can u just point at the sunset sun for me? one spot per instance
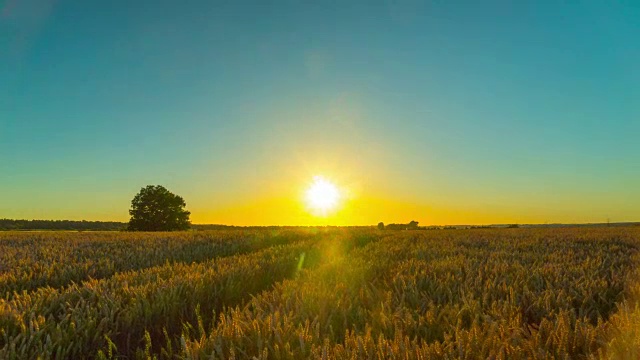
(322, 196)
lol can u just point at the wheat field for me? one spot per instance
(321, 293)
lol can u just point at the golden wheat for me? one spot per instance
(323, 293)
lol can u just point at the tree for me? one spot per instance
(413, 225)
(380, 226)
(155, 208)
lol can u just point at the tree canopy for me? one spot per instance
(155, 208)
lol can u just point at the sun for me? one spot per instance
(322, 196)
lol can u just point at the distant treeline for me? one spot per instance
(9, 224)
(413, 225)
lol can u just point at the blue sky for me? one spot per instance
(468, 112)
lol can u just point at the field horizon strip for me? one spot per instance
(571, 293)
(54, 259)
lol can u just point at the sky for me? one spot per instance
(443, 112)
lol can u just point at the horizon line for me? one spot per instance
(375, 224)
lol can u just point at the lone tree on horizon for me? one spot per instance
(155, 208)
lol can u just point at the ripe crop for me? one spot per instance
(322, 293)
